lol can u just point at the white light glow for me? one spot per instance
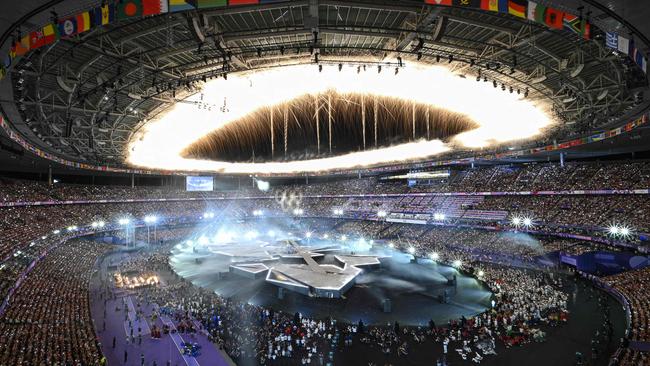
(411, 250)
(123, 221)
(614, 230)
(528, 222)
(516, 221)
(457, 263)
(500, 116)
(434, 256)
(381, 213)
(150, 219)
(263, 185)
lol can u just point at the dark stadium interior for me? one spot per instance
(324, 182)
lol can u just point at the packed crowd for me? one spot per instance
(48, 320)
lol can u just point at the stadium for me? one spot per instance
(324, 182)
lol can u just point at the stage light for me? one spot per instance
(298, 211)
(123, 221)
(381, 213)
(457, 263)
(100, 223)
(625, 231)
(434, 256)
(203, 240)
(391, 245)
(43, 237)
(271, 233)
(55, 181)
(372, 242)
(412, 250)
(94, 224)
(344, 238)
(208, 215)
(481, 273)
(308, 234)
(150, 219)
(439, 216)
(257, 213)
(56, 231)
(614, 230)
(338, 211)
(527, 222)
(325, 236)
(516, 221)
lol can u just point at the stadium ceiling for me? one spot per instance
(83, 98)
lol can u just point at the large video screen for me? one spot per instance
(199, 184)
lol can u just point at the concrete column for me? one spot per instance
(49, 175)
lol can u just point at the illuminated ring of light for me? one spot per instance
(501, 116)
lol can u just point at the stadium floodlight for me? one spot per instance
(614, 230)
(625, 231)
(412, 250)
(123, 221)
(381, 213)
(457, 263)
(434, 256)
(527, 222)
(516, 221)
(150, 219)
(56, 231)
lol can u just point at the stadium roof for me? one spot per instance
(82, 98)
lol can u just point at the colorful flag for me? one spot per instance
(50, 33)
(553, 18)
(154, 7)
(623, 45)
(576, 25)
(21, 47)
(103, 15)
(536, 12)
(127, 9)
(438, 2)
(179, 5)
(611, 40)
(490, 5)
(467, 3)
(517, 8)
(36, 39)
(68, 27)
(242, 2)
(83, 22)
(206, 4)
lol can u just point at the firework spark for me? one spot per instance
(496, 117)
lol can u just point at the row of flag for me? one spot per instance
(626, 46)
(131, 9)
(531, 10)
(105, 14)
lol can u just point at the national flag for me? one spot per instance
(83, 22)
(517, 8)
(503, 6)
(553, 18)
(21, 47)
(611, 40)
(50, 33)
(467, 3)
(103, 15)
(490, 5)
(536, 12)
(242, 2)
(438, 2)
(127, 9)
(36, 39)
(623, 45)
(206, 4)
(179, 5)
(576, 25)
(68, 27)
(154, 7)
